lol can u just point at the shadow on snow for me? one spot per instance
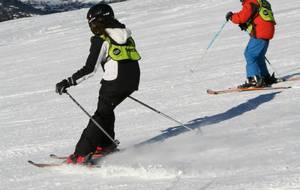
(290, 75)
(198, 123)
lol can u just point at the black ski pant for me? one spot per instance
(92, 136)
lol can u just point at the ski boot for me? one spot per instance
(254, 82)
(77, 159)
(269, 80)
(102, 151)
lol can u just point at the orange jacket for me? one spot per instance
(262, 29)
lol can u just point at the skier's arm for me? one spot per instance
(97, 56)
(249, 10)
(92, 62)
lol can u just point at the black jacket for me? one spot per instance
(118, 75)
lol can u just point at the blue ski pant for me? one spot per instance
(255, 57)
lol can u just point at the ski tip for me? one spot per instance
(210, 91)
(33, 163)
(53, 156)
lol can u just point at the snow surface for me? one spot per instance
(58, 2)
(242, 141)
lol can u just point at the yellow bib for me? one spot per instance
(122, 52)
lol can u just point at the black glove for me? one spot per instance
(243, 26)
(63, 85)
(229, 16)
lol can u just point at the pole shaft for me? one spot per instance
(192, 70)
(116, 142)
(159, 112)
(216, 35)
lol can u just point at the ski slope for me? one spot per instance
(241, 141)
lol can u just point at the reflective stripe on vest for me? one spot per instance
(265, 12)
(122, 52)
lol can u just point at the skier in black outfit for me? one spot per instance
(113, 48)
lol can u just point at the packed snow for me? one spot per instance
(240, 141)
(58, 2)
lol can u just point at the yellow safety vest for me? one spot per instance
(122, 52)
(266, 13)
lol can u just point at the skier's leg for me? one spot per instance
(92, 136)
(262, 59)
(251, 54)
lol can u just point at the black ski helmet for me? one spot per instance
(100, 12)
(99, 16)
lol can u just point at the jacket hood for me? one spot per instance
(117, 31)
(119, 35)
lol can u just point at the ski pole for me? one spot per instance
(160, 113)
(211, 43)
(267, 60)
(216, 35)
(116, 142)
(271, 66)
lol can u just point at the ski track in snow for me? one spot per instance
(241, 141)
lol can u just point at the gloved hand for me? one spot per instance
(229, 15)
(243, 26)
(63, 85)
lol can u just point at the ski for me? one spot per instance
(230, 90)
(94, 163)
(54, 156)
(287, 79)
(45, 165)
(94, 156)
(235, 89)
